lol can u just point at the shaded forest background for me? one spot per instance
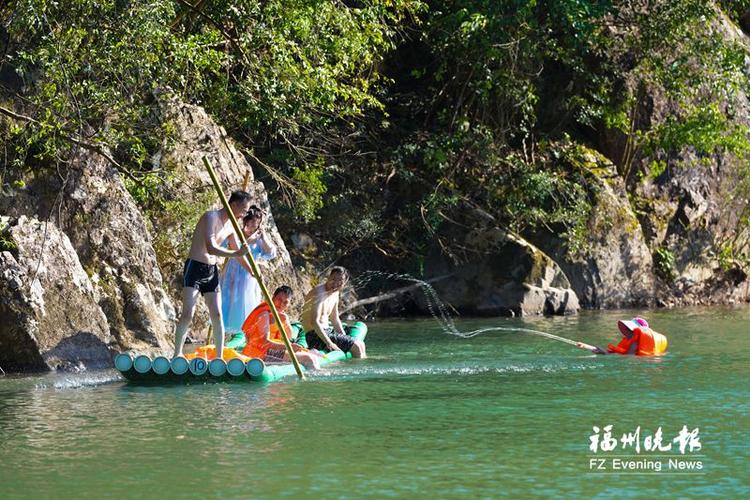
(379, 125)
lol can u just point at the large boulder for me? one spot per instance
(90, 204)
(506, 276)
(49, 312)
(612, 266)
(114, 244)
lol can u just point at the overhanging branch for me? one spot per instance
(74, 140)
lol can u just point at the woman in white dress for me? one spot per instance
(240, 291)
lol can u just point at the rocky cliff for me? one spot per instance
(91, 261)
(49, 306)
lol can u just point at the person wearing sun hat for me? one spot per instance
(639, 339)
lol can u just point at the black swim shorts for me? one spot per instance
(345, 342)
(203, 277)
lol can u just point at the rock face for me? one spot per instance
(114, 244)
(676, 238)
(696, 207)
(613, 268)
(112, 268)
(507, 277)
(696, 234)
(50, 314)
(689, 217)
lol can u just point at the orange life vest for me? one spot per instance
(644, 342)
(255, 333)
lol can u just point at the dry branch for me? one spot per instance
(393, 293)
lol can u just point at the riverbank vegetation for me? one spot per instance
(379, 124)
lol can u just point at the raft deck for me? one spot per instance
(142, 370)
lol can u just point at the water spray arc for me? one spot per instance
(439, 311)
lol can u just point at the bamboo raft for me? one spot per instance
(142, 370)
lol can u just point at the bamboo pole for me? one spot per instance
(254, 267)
(245, 184)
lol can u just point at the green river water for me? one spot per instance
(429, 415)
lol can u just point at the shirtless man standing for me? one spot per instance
(201, 275)
(322, 305)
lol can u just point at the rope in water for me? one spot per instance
(513, 329)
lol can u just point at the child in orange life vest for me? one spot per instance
(639, 339)
(263, 335)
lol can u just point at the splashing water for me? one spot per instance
(77, 381)
(439, 310)
(435, 306)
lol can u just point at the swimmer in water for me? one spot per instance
(638, 338)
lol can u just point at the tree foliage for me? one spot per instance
(273, 72)
(499, 85)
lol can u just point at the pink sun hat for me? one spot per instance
(629, 325)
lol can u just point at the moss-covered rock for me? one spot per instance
(611, 265)
(506, 276)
